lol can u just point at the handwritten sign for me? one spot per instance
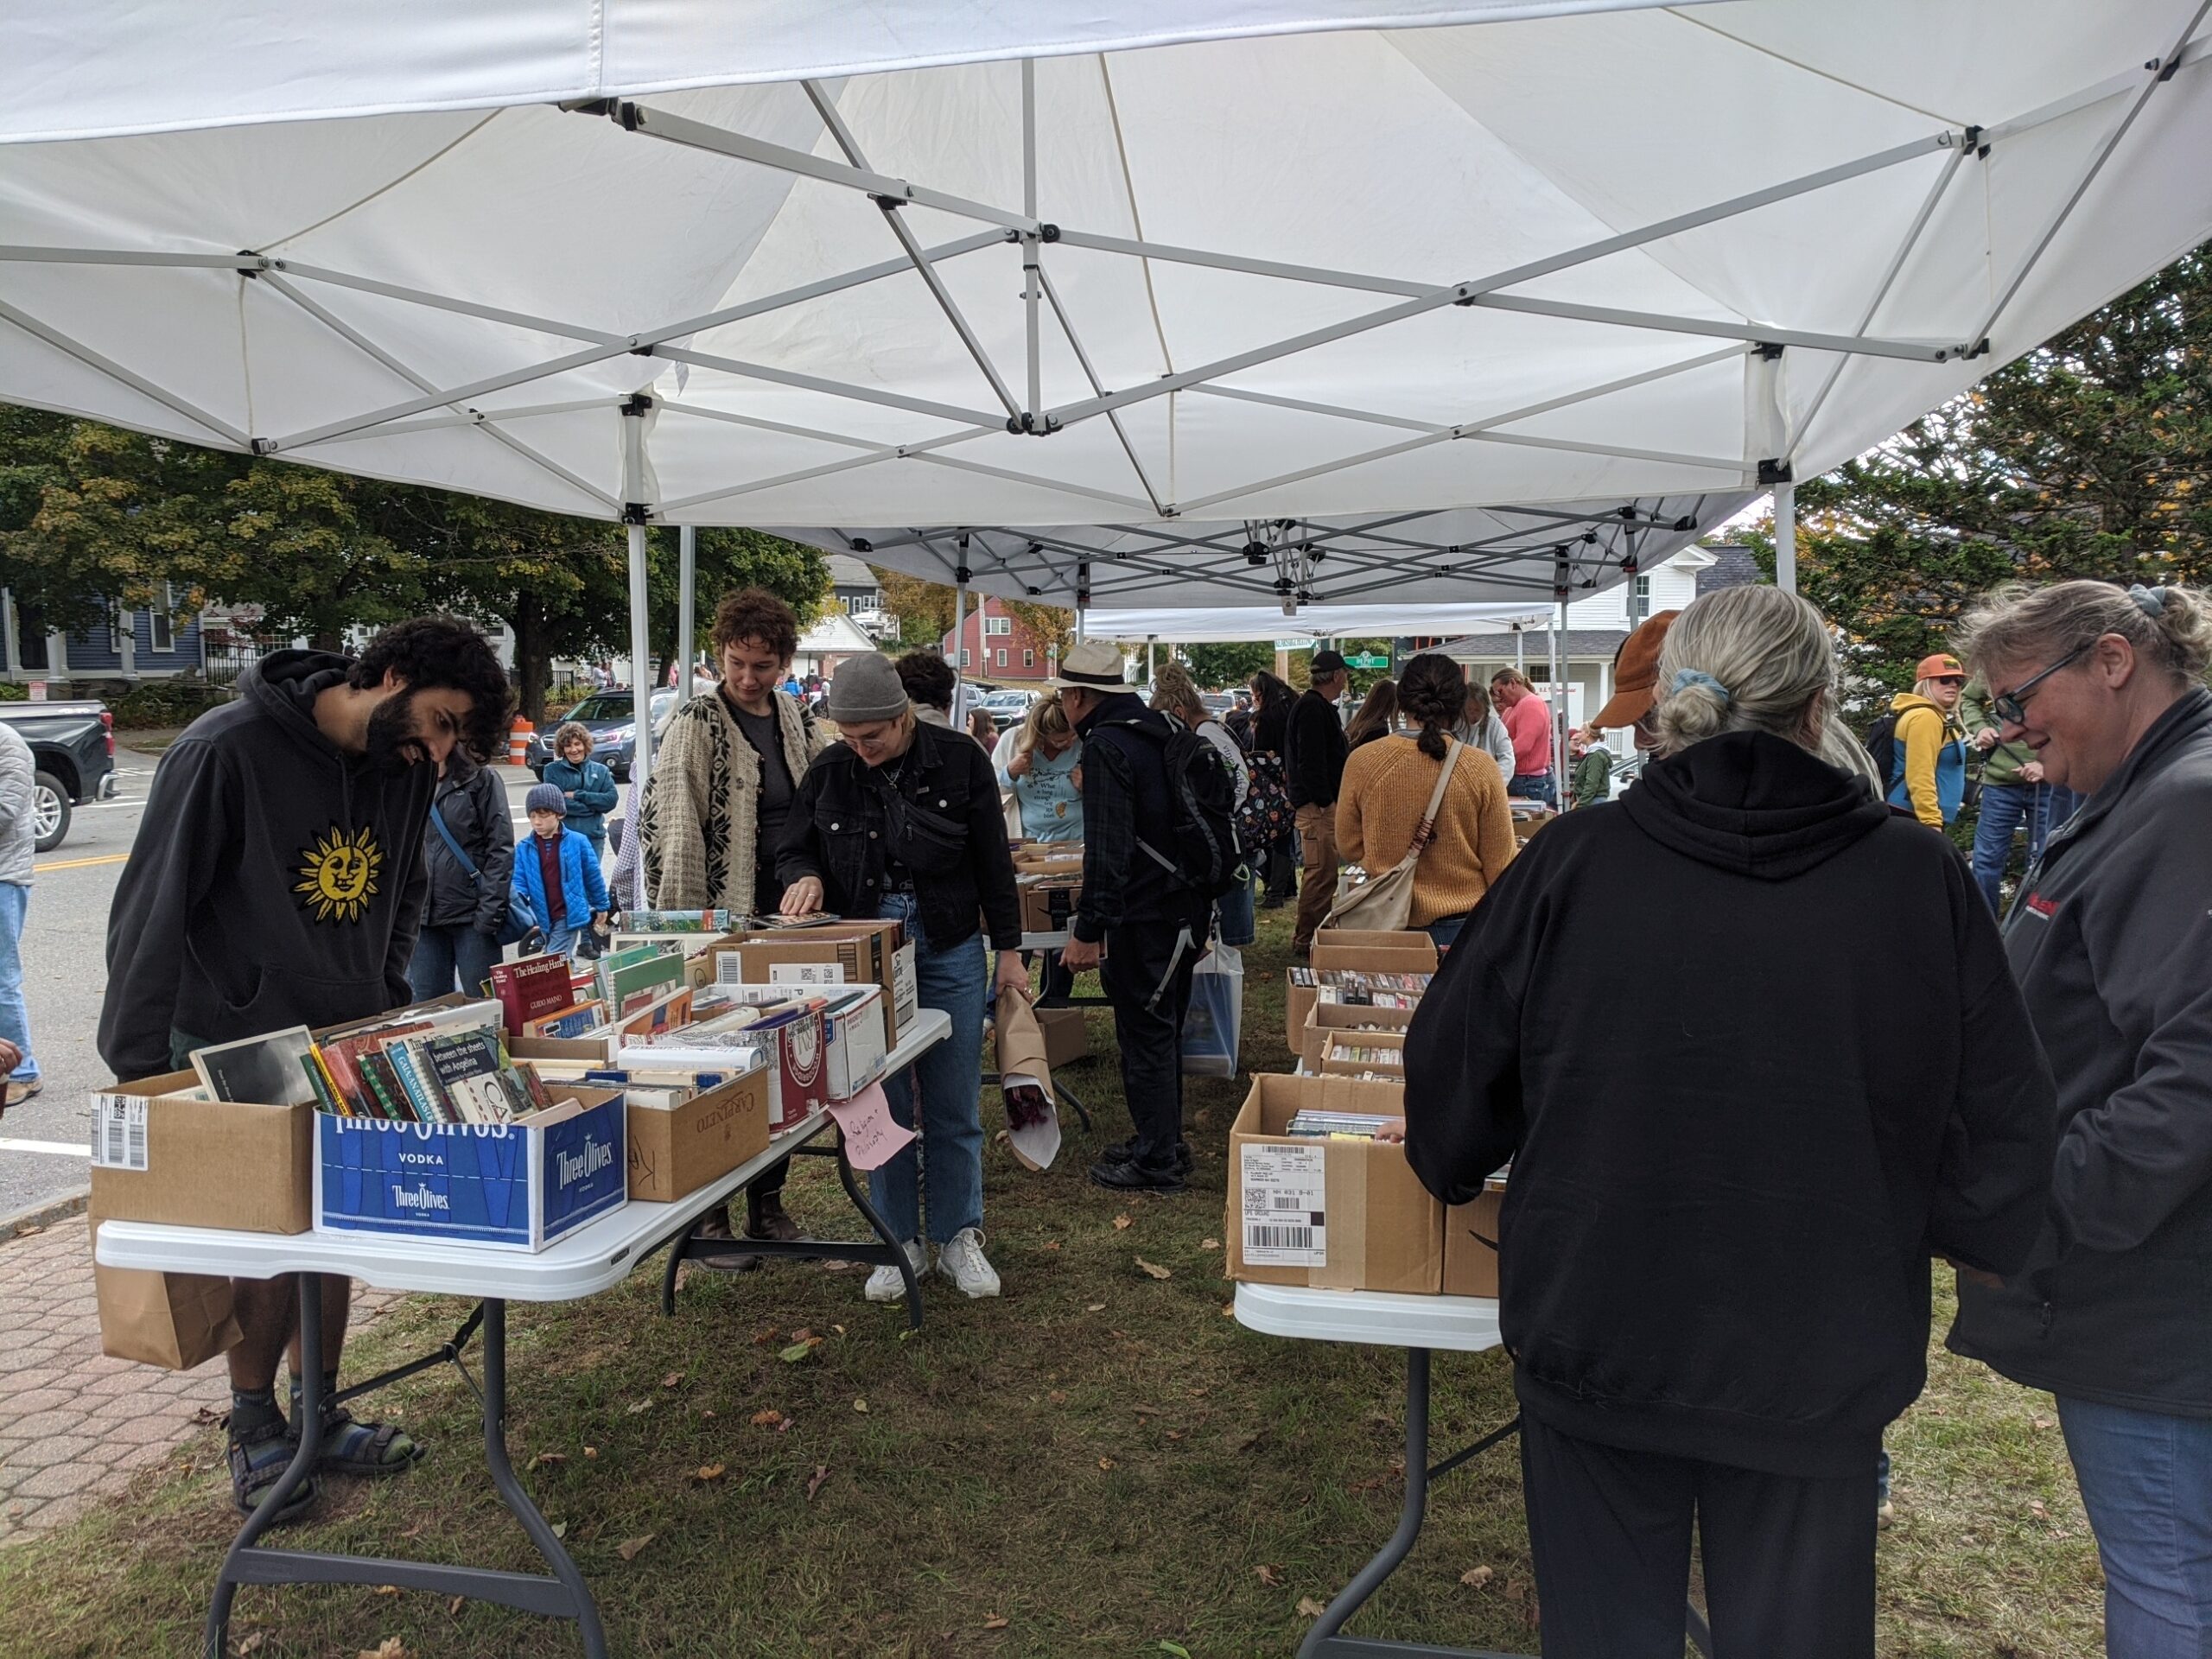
(873, 1136)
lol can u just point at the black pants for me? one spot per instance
(1146, 974)
(1788, 1561)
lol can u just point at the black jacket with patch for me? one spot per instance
(276, 880)
(1750, 1043)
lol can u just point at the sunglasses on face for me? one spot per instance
(1948, 679)
(2011, 706)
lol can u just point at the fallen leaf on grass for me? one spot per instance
(861, 1406)
(559, 1529)
(814, 1481)
(251, 1643)
(1146, 1411)
(1271, 1576)
(591, 1450)
(1121, 1223)
(673, 1380)
(2040, 1422)
(1154, 1270)
(415, 1531)
(1175, 1648)
(452, 1608)
(1094, 1307)
(636, 1405)
(1105, 1463)
(2036, 1509)
(707, 1472)
(389, 1648)
(839, 1329)
(709, 1413)
(548, 1457)
(1174, 1433)
(995, 1622)
(1229, 1310)
(1052, 1244)
(628, 1548)
(1309, 1608)
(799, 1350)
(1058, 1397)
(767, 1419)
(1476, 1577)
(385, 1590)
(767, 1338)
(1209, 1243)
(1246, 1441)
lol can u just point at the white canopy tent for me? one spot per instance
(892, 264)
(1203, 624)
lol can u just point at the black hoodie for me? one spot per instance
(276, 881)
(1752, 1044)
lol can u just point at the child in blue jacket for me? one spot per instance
(556, 874)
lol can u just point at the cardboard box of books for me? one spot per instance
(834, 953)
(1471, 1235)
(1315, 986)
(1323, 1019)
(681, 1137)
(1048, 858)
(1315, 1200)
(1047, 901)
(785, 1028)
(1379, 1055)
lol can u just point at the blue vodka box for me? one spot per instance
(513, 1186)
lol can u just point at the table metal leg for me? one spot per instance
(564, 1595)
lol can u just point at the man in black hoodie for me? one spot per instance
(278, 881)
(1714, 1275)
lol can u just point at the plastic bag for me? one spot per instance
(1215, 1023)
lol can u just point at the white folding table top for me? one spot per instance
(1372, 1318)
(597, 1256)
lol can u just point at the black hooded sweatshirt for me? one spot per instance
(276, 881)
(1752, 1044)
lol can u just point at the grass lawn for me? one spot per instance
(1101, 1463)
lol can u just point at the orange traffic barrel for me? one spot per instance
(518, 741)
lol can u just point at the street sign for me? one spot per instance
(1367, 662)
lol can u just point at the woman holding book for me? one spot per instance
(722, 782)
(901, 820)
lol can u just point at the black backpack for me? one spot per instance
(1204, 790)
(1881, 743)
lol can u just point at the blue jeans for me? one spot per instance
(562, 941)
(949, 1158)
(1533, 786)
(2146, 1482)
(445, 954)
(2005, 808)
(1237, 927)
(1444, 932)
(14, 1018)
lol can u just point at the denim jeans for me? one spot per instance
(562, 941)
(2146, 1482)
(2005, 808)
(1445, 930)
(948, 1160)
(1234, 913)
(1533, 786)
(443, 954)
(14, 1018)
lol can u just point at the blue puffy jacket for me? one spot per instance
(584, 890)
(590, 790)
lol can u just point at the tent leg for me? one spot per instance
(1559, 717)
(634, 511)
(687, 577)
(1785, 537)
(960, 641)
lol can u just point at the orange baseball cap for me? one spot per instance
(1938, 666)
(1636, 672)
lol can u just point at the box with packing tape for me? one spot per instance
(1048, 902)
(1331, 1210)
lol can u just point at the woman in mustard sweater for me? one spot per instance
(1386, 788)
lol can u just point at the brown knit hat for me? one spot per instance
(1636, 672)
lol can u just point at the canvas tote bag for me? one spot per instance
(1383, 903)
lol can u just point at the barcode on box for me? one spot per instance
(1285, 1200)
(1263, 1238)
(119, 1131)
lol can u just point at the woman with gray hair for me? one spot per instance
(2110, 938)
(1718, 1227)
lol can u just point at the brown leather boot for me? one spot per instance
(766, 1218)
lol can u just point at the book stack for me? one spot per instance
(637, 978)
(426, 1066)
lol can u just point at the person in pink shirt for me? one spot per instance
(1527, 719)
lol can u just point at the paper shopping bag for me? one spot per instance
(175, 1320)
(1032, 1123)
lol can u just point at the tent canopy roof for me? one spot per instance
(893, 265)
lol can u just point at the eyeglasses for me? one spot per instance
(2011, 706)
(1948, 679)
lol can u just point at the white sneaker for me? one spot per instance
(886, 1285)
(962, 1261)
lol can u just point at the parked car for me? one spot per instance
(608, 716)
(1218, 703)
(73, 745)
(1008, 708)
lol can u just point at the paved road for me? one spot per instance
(42, 1142)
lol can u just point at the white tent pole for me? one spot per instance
(687, 577)
(633, 513)
(1558, 701)
(1785, 536)
(1149, 639)
(1030, 294)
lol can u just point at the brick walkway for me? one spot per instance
(74, 1423)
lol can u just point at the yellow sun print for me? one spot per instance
(338, 874)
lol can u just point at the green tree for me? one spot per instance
(1229, 665)
(924, 608)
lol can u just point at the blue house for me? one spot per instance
(153, 642)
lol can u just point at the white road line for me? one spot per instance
(58, 1148)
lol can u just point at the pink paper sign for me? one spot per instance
(873, 1136)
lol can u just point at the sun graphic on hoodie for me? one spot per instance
(338, 874)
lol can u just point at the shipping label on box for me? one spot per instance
(159, 1155)
(512, 1186)
(1284, 1194)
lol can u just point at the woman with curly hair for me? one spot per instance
(586, 786)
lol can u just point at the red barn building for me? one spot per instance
(996, 646)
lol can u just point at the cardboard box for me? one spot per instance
(1067, 1035)
(1324, 1018)
(673, 1154)
(1471, 1234)
(157, 1156)
(1337, 1045)
(597, 1049)
(1526, 824)
(1338, 1214)
(1048, 858)
(1409, 952)
(516, 1187)
(1047, 903)
(867, 952)
(852, 1040)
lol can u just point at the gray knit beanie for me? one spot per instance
(544, 797)
(867, 688)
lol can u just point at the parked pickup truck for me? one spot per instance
(73, 744)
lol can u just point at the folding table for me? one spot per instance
(596, 1257)
(1421, 1326)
